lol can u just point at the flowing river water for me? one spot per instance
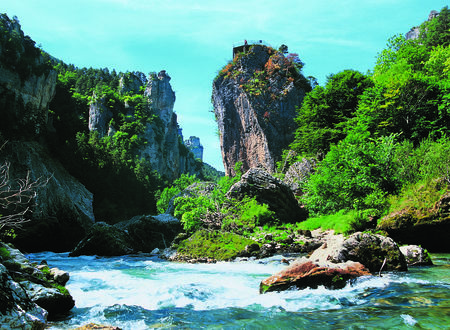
(145, 292)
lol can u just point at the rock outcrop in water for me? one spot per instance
(338, 261)
(30, 293)
(139, 234)
(255, 99)
(308, 274)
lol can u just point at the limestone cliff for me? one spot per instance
(63, 207)
(27, 82)
(255, 99)
(162, 144)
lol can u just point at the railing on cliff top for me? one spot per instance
(244, 45)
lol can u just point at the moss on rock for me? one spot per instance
(213, 244)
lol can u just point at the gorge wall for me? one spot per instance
(162, 144)
(41, 145)
(255, 99)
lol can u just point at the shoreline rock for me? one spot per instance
(29, 294)
(309, 274)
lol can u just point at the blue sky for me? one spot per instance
(193, 40)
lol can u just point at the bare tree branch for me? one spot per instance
(16, 197)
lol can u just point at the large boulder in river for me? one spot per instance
(416, 255)
(17, 311)
(271, 191)
(62, 211)
(369, 249)
(104, 240)
(149, 232)
(308, 274)
(140, 234)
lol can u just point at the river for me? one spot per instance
(145, 292)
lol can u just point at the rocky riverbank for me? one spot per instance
(30, 293)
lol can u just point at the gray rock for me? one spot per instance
(104, 240)
(62, 211)
(299, 173)
(50, 299)
(254, 127)
(271, 191)
(142, 233)
(99, 116)
(368, 249)
(28, 294)
(416, 255)
(59, 276)
(17, 311)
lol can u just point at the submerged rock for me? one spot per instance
(416, 255)
(309, 274)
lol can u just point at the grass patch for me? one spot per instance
(213, 244)
(421, 196)
(340, 222)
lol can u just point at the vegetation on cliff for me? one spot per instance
(379, 134)
(380, 140)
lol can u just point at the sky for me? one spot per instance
(192, 40)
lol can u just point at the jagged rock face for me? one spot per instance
(99, 116)
(161, 95)
(163, 148)
(63, 206)
(414, 33)
(194, 145)
(131, 82)
(255, 104)
(27, 85)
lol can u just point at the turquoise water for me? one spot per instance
(144, 292)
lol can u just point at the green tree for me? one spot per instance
(326, 111)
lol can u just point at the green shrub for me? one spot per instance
(246, 215)
(340, 222)
(192, 211)
(184, 181)
(357, 173)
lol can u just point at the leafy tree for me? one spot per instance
(356, 173)
(326, 110)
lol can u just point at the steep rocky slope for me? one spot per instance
(162, 144)
(255, 99)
